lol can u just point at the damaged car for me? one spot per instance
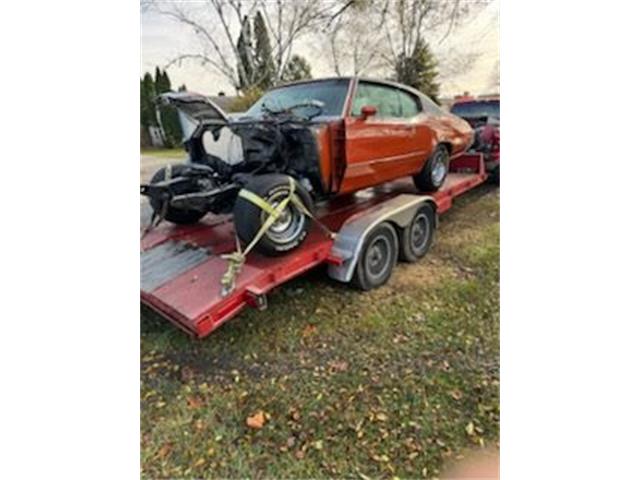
(313, 140)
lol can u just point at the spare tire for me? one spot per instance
(286, 233)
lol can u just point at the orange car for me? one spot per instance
(320, 137)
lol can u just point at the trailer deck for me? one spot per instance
(181, 267)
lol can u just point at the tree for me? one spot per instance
(147, 101)
(419, 70)
(377, 35)
(265, 68)
(297, 69)
(245, 56)
(168, 116)
(218, 23)
(355, 40)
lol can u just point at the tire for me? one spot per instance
(283, 236)
(494, 176)
(417, 237)
(378, 257)
(174, 215)
(434, 172)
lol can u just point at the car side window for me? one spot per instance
(409, 104)
(385, 99)
(431, 107)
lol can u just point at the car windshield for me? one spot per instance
(482, 108)
(331, 93)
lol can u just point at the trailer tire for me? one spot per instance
(378, 256)
(174, 215)
(283, 236)
(434, 172)
(417, 237)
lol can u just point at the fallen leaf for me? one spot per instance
(291, 441)
(199, 462)
(309, 330)
(318, 444)
(165, 450)
(470, 429)
(338, 366)
(194, 402)
(382, 417)
(456, 394)
(256, 421)
(299, 454)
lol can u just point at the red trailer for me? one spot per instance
(181, 266)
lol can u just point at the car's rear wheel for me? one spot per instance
(434, 172)
(174, 215)
(288, 231)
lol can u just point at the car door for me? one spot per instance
(383, 146)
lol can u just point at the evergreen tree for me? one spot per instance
(419, 70)
(182, 88)
(265, 74)
(158, 80)
(296, 69)
(245, 66)
(147, 101)
(168, 115)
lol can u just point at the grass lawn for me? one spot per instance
(164, 152)
(399, 381)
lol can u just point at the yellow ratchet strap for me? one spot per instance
(236, 259)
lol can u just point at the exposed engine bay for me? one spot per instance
(280, 141)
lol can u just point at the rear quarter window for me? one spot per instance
(409, 104)
(431, 107)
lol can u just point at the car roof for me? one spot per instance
(389, 83)
(493, 98)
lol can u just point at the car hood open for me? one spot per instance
(196, 106)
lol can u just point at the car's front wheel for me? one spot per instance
(286, 232)
(434, 172)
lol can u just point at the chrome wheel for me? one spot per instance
(439, 170)
(289, 226)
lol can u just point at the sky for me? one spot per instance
(162, 39)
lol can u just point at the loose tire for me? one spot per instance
(378, 257)
(434, 172)
(174, 215)
(286, 233)
(417, 237)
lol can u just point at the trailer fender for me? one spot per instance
(348, 243)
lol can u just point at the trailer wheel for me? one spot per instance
(434, 172)
(174, 215)
(378, 257)
(286, 233)
(417, 237)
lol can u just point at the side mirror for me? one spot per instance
(368, 111)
